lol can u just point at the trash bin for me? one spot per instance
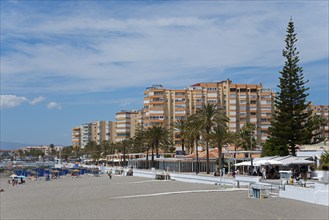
(256, 193)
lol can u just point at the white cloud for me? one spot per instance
(11, 101)
(170, 43)
(54, 105)
(37, 100)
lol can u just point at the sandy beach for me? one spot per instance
(123, 197)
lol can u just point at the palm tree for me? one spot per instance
(157, 135)
(193, 135)
(235, 139)
(124, 144)
(247, 141)
(141, 142)
(181, 126)
(93, 150)
(105, 145)
(219, 136)
(204, 120)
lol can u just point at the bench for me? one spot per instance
(162, 176)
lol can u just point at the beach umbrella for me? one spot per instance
(13, 175)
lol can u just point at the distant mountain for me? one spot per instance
(5, 145)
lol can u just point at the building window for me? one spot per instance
(211, 89)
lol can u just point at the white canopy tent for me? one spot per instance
(267, 162)
(244, 163)
(302, 162)
(277, 161)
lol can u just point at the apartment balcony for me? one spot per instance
(156, 121)
(266, 117)
(157, 101)
(180, 94)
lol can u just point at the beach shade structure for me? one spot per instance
(75, 172)
(55, 173)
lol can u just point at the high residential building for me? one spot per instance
(127, 123)
(97, 131)
(242, 103)
(76, 136)
(323, 111)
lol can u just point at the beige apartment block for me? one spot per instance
(126, 124)
(97, 131)
(242, 103)
(76, 136)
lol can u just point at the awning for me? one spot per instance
(302, 162)
(267, 162)
(295, 160)
(244, 163)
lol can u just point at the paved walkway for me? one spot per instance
(134, 197)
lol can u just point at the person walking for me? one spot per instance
(109, 173)
(264, 173)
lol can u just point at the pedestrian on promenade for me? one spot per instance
(264, 173)
(109, 173)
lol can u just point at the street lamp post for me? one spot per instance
(251, 162)
(197, 157)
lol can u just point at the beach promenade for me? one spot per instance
(131, 197)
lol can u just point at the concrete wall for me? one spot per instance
(320, 175)
(318, 195)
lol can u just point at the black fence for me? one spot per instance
(174, 165)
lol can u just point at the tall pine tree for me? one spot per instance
(290, 123)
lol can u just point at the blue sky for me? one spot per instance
(65, 63)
